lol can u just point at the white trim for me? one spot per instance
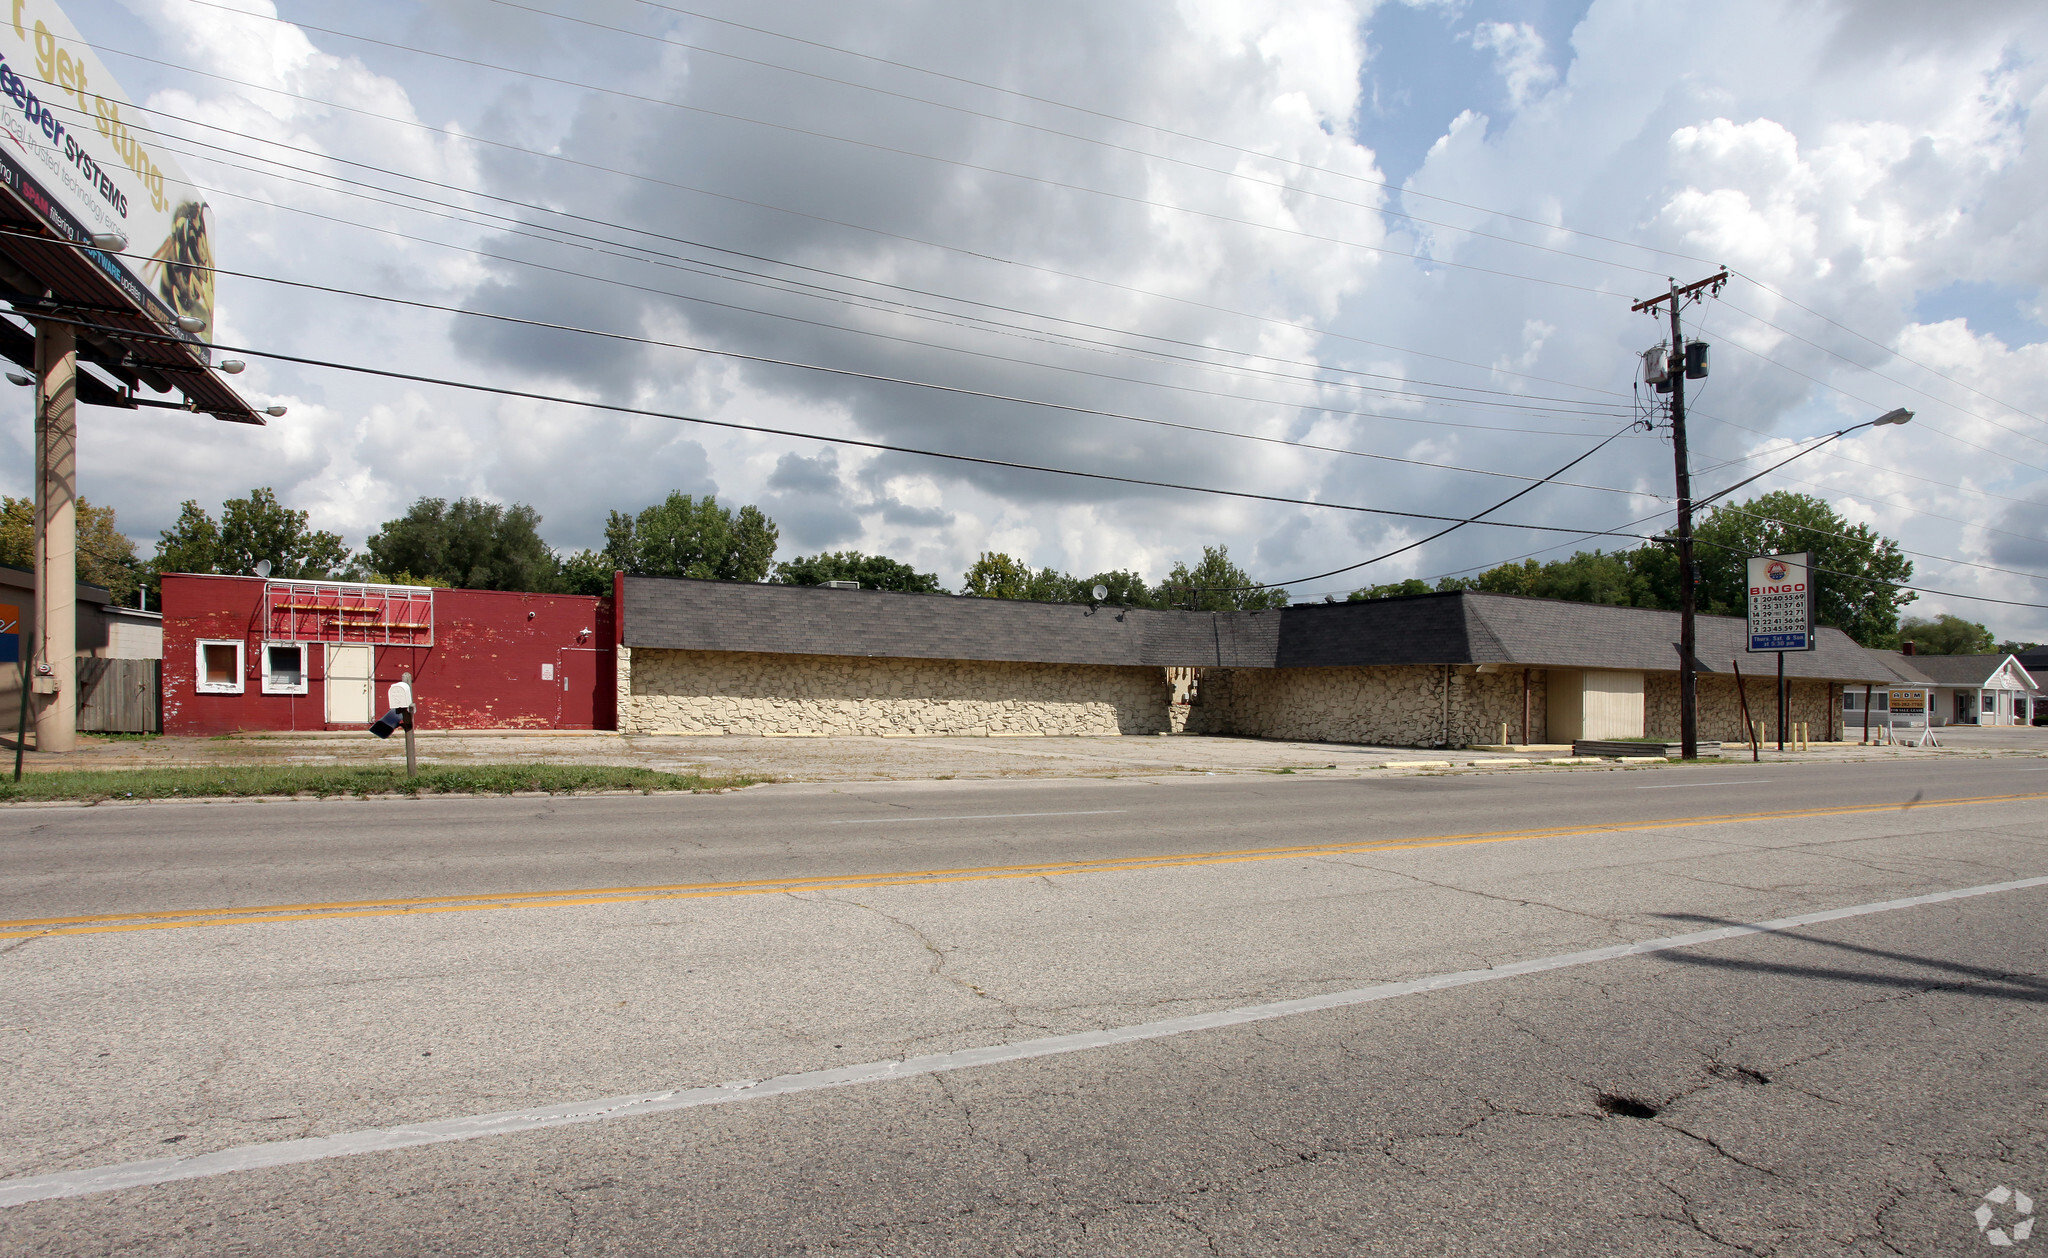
(199, 683)
(274, 687)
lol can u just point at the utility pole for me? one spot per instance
(1688, 696)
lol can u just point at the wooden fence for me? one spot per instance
(120, 696)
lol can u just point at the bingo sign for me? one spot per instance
(1781, 602)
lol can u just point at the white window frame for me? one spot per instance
(202, 686)
(273, 687)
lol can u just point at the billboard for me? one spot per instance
(68, 150)
(1781, 602)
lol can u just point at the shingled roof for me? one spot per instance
(1460, 627)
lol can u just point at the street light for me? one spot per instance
(1899, 416)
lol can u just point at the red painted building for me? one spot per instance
(243, 653)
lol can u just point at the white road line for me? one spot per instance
(1674, 786)
(251, 1157)
(981, 816)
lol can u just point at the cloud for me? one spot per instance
(1226, 268)
(1520, 57)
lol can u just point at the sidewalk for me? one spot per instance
(895, 759)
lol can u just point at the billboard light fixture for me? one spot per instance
(192, 323)
(233, 366)
(275, 412)
(15, 377)
(112, 242)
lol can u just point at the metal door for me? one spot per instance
(576, 668)
(348, 685)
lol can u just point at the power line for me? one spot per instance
(1519, 401)
(1012, 174)
(649, 232)
(982, 394)
(1402, 550)
(1163, 130)
(856, 442)
(1933, 397)
(1894, 352)
(1832, 388)
(1424, 259)
(865, 87)
(1908, 587)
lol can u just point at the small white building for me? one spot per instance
(1991, 689)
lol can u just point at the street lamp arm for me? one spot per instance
(1891, 417)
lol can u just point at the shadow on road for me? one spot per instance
(1972, 980)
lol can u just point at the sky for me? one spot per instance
(1365, 258)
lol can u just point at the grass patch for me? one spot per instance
(93, 785)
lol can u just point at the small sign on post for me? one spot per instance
(1781, 602)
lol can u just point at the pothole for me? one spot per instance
(1625, 1106)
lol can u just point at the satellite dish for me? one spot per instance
(262, 567)
(1100, 592)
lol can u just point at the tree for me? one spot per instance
(996, 575)
(469, 544)
(1216, 584)
(874, 572)
(251, 528)
(1946, 635)
(1393, 589)
(106, 557)
(1858, 591)
(587, 572)
(689, 537)
(1637, 578)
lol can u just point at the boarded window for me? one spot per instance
(284, 668)
(220, 668)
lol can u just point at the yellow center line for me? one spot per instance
(110, 923)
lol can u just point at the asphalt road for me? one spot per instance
(194, 985)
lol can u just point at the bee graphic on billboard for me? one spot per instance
(181, 268)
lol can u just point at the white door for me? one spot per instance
(348, 685)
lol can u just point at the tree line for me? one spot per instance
(1864, 601)
(473, 544)
(469, 543)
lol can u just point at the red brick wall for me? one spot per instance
(484, 670)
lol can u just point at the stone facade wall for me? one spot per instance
(1814, 702)
(1389, 706)
(739, 692)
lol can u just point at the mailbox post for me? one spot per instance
(402, 703)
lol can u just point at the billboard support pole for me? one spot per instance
(55, 673)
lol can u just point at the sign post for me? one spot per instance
(401, 702)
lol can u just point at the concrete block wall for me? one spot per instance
(1813, 702)
(742, 692)
(1411, 706)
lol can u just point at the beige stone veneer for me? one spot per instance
(1413, 706)
(744, 692)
